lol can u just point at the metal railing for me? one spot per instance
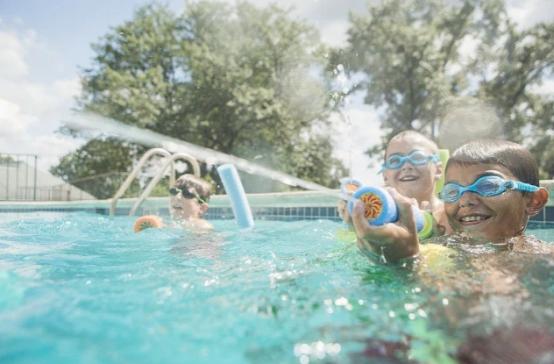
(169, 163)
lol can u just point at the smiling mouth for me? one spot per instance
(408, 178)
(473, 219)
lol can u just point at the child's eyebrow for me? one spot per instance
(410, 152)
(486, 173)
(490, 173)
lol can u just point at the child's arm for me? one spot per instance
(394, 241)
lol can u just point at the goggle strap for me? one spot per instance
(525, 187)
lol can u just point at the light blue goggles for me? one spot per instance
(486, 186)
(415, 157)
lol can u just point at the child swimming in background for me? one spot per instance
(187, 205)
(491, 189)
(189, 201)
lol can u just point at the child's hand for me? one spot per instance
(426, 206)
(343, 212)
(394, 240)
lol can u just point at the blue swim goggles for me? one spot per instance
(486, 186)
(415, 157)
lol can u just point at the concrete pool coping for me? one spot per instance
(281, 205)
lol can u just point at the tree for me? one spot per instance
(524, 60)
(408, 51)
(239, 80)
(98, 167)
(412, 56)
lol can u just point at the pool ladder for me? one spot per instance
(169, 163)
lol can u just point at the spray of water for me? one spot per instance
(93, 123)
(468, 119)
(342, 87)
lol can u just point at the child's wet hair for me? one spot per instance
(201, 186)
(516, 158)
(416, 136)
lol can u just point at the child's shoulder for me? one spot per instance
(196, 224)
(531, 245)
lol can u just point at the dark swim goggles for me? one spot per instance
(415, 157)
(486, 186)
(188, 194)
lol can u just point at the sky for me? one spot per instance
(45, 44)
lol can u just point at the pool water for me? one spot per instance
(80, 287)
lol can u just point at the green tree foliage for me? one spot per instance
(98, 167)
(408, 51)
(241, 80)
(413, 59)
(524, 60)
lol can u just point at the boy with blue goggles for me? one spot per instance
(485, 186)
(415, 157)
(496, 221)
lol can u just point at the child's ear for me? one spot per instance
(537, 201)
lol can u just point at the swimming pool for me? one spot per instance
(81, 287)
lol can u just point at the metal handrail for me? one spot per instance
(155, 180)
(125, 185)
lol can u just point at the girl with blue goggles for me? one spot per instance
(415, 157)
(486, 186)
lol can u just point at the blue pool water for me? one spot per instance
(80, 287)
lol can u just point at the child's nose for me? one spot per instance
(468, 198)
(406, 166)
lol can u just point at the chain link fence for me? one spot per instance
(18, 177)
(21, 180)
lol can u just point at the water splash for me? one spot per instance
(94, 123)
(342, 86)
(467, 119)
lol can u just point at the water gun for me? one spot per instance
(380, 208)
(347, 187)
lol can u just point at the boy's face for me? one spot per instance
(414, 181)
(185, 208)
(489, 218)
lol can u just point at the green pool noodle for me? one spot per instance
(444, 154)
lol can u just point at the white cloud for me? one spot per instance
(12, 63)
(530, 12)
(9, 112)
(30, 112)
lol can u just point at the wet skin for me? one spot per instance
(186, 208)
(493, 218)
(412, 181)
